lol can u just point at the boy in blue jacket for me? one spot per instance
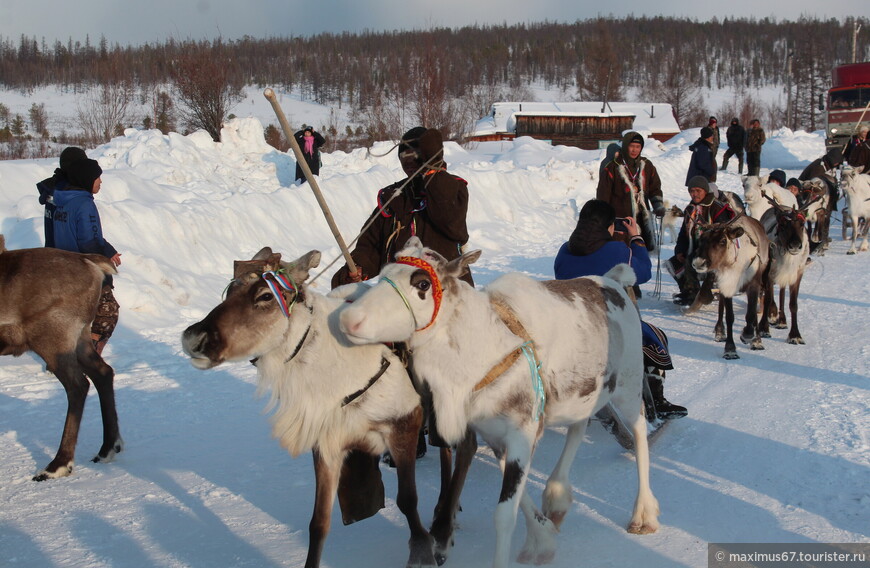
(76, 227)
(48, 186)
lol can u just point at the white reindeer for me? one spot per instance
(510, 360)
(754, 192)
(856, 186)
(328, 395)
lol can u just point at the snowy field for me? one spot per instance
(775, 447)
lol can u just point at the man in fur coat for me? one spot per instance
(631, 184)
(704, 209)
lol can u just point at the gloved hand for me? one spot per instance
(431, 146)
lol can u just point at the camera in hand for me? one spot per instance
(619, 225)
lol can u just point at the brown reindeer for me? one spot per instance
(48, 299)
(789, 250)
(738, 252)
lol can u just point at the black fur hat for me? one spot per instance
(777, 176)
(411, 139)
(84, 173)
(70, 155)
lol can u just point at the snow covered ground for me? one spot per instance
(775, 447)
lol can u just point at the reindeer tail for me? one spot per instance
(104, 264)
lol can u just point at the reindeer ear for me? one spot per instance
(300, 268)
(735, 232)
(263, 254)
(413, 247)
(459, 266)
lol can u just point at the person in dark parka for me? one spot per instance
(430, 203)
(309, 142)
(736, 138)
(825, 168)
(703, 162)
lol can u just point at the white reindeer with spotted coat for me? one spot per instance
(478, 351)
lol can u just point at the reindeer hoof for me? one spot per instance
(63, 471)
(557, 518)
(763, 334)
(756, 346)
(108, 454)
(536, 559)
(641, 528)
(780, 325)
(796, 341)
(730, 355)
(851, 252)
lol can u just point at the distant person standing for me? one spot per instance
(59, 180)
(77, 228)
(309, 142)
(755, 139)
(736, 138)
(713, 125)
(703, 162)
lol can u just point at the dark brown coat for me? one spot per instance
(432, 206)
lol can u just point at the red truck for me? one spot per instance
(848, 102)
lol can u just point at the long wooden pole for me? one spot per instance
(297, 151)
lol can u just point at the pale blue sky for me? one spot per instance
(142, 21)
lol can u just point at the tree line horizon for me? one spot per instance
(448, 78)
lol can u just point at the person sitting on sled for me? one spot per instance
(592, 250)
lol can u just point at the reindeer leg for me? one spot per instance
(644, 518)
(517, 460)
(66, 369)
(781, 322)
(794, 335)
(102, 375)
(443, 524)
(766, 315)
(557, 494)
(540, 545)
(730, 348)
(402, 442)
(326, 483)
(864, 232)
(750, 331)
(719, 329)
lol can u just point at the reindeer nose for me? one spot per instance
(351, 321)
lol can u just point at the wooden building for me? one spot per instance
(576, 124)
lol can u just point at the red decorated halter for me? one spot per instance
(437, 291)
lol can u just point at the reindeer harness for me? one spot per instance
(510, 320)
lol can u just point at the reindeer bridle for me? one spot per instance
(274, 280)
(437, 290)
